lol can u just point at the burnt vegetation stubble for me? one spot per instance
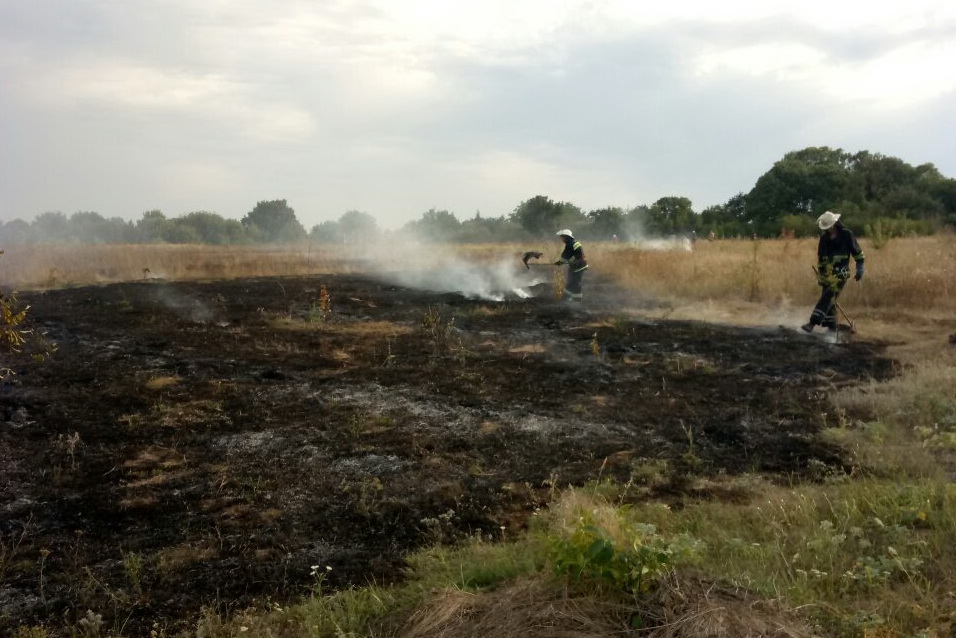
(207, 444)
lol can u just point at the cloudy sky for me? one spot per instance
(393, 107)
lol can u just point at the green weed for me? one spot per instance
(633, 560)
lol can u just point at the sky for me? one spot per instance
(395, 107)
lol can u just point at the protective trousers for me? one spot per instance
(572, 287)
(825, 312)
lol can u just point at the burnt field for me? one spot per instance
(197, 445)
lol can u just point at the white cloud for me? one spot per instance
(904, 77)
(779, 60)
(399, 105)
(901, 77)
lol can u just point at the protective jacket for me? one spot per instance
(833, 254)
(573, 256)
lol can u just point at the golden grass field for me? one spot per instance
(910, 283)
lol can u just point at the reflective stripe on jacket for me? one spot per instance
(573, 256)
(833, 254)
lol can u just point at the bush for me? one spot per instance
(632, 560)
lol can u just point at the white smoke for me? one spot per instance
(663, 243)
(638, 237)
(491, 281)
(436, 268)
(189, 308)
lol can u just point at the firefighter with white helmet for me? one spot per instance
(573, 256)
(837, 245)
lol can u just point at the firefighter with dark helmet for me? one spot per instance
(837, 245)
(573, 256)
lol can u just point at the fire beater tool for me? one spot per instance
(533, 254)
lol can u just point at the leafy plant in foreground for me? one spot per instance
(632, 560)
(14, 335)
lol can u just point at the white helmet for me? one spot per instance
(564, 232)
(826, 220)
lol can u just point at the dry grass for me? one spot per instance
(525, 608)
(688, 607)
(912, 278)
(38, 267)
(683, 606)
(907, 279)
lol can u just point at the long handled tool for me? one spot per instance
(845, 316)
(532, 254)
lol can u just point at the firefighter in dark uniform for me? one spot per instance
(573, 256)
(837, 245)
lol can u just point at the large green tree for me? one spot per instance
(151, 227)
(435, 225)
(671, 216)
(725, 220)
(358, 227)
(480, 229)
(211, 228)
(806, 182)
(605, 223)
(50, 227)
(540, 216)
(273, 221)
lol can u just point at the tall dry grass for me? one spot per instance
(54, 266)
(905, 278)
(912, 276)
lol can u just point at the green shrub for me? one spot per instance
(632, 560)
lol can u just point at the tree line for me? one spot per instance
(876, 194)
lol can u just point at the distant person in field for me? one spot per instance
(837, 245)
(573, 256)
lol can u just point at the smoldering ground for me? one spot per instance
(158, 464)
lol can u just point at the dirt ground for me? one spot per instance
(212, 444)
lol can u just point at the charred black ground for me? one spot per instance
(207, 444)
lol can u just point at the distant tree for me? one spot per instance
(358, 227)
(540, 216)
(798, 225)
(15, 231)
(875, 175)
(606, 223)
(273, 221)
(435, 225)
(914, 203)
(117, 230)
(92, 228)
(635, 222)
(671, 216)
(87, 227)
(480, 229)
(328, 232)
(868, 189)
(177, 231)
(725, 220)
(151, 227)
(945, 192)
(537, 215)
(806, 182)
(211, 228)
(50, 227)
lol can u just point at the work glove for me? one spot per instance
(859, 272)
